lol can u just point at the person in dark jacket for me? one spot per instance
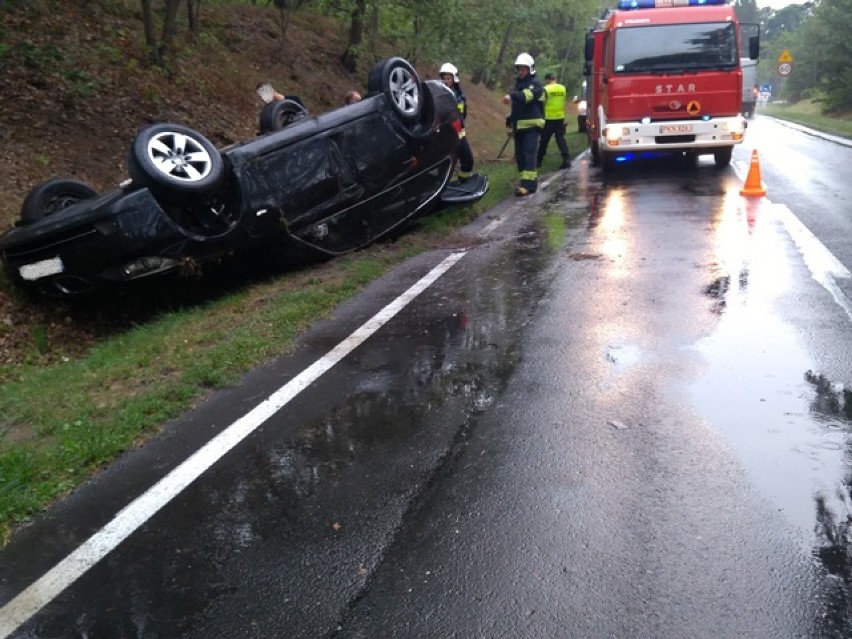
(554, 120)
(527, 120)
(450, 77)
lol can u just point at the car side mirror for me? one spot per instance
(754, 47)
(589, 49)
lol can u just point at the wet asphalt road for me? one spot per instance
(622, 413)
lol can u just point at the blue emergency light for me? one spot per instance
(659, 4)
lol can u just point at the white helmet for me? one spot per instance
(526, 60)
(450, 68)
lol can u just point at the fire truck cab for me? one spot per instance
(665, 76)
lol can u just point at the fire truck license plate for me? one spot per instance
(666, 129)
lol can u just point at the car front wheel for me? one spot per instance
(53, 196)
(400, 84)
(175, 163)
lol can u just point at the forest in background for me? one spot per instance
(482, 36)
(816, 35)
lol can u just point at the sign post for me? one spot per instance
(785, 68)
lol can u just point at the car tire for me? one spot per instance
(53, 196)
(280, 114)
(176, 163)
(397, 80)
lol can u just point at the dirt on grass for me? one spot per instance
(77, 86)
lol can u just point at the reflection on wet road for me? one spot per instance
(757, 362)
(624, 413)
(656, 466)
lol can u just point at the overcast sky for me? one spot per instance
(775, 4)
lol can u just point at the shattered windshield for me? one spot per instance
(675, 47)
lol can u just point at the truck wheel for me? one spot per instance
(596, 154)
(607, 161)
(722, 156)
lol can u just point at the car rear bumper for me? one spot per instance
(121, 236)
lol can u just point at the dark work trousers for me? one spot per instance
(526, 147)
(465, 158)
(553, 128)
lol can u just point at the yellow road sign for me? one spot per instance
(785, 56)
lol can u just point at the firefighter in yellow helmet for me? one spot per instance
(526, 119)
(555, 96)
(450, 77)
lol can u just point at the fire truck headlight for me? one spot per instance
(614, 133)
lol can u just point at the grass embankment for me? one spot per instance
(809, 113)
(61, 422)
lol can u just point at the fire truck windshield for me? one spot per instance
(675, 48)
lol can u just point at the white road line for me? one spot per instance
(45, 589)
(491, 226)
(825, 268)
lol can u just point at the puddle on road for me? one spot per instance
(789, 425)
(345, 476)
(624, 356)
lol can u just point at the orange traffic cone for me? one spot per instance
(753, 186)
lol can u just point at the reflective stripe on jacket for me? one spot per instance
(527, 109)
(461, 102)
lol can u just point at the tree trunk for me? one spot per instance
(283, 22)
(501, 56)
(350, 57)
(193, 7)
(373, 30)
(169, 28)
(150, 37)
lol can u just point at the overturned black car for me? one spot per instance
(309, 186)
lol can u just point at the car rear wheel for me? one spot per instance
(279, 114)
(52, 196)
(175, 163)
(400, 84)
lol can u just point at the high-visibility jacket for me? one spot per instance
(554, 101)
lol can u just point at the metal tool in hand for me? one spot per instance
(505, 144)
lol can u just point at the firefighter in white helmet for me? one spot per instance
(527, 120)
(450, 77)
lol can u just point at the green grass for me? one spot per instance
(60, 423)
(809, 113)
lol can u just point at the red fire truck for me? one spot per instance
(665, 76)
